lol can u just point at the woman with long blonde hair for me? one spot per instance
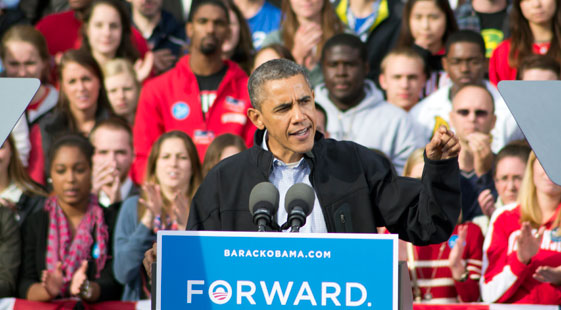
(522, 250)
(173, 174)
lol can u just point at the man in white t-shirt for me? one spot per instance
(465, 64)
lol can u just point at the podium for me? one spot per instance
(243, 270)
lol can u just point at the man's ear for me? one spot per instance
(382, 80)
(444, 65)
(256, 118)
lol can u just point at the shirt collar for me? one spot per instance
(277, 162)
(125, 190)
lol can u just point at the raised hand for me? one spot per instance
(548, 274)
(528, 244)
(114, 192)
(102, 174)
(163, 60)
(457, 266)
(306, 38)
(443, 145)
(106, 177)
(486, 202)
(52, 280)
(78, 278)
(479, 145)
(150, 257)
(153, 203)
(143, 67)
(180, 209)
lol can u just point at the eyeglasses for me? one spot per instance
(478, 113)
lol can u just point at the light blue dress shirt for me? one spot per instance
(283, 177)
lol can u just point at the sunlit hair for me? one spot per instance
(119, 66)
(150, 174)
(126, 49)
(522, 37)
(404, 51)
(114, 123)
(540, 62)
(406, 37)
(413, 160)
(30, 35)
(17, 173)
(475, 85)
(272, 70)
(330, 25)
(527, 197)
(216, 148)
(517, 149)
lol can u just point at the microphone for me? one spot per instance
(263, 204)
(298, 203)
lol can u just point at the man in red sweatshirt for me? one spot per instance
(202, 95)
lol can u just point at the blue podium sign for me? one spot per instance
(236, 270)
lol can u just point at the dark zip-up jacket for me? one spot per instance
(357, 189)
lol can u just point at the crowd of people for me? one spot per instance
(140, 99)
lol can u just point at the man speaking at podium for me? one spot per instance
(356, 189)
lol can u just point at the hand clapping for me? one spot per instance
(528, 244)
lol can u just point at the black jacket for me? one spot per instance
(357, 189)
(11, 254)
(34, 234)
(28, 204)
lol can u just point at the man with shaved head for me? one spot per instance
(473, 118)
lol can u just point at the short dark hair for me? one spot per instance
(345, 39)
(542, 62)
(405, 51)
(115, 123)
(468, 36)
(518, 148)
(71, 140)
(198, 4)
(272, 70)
